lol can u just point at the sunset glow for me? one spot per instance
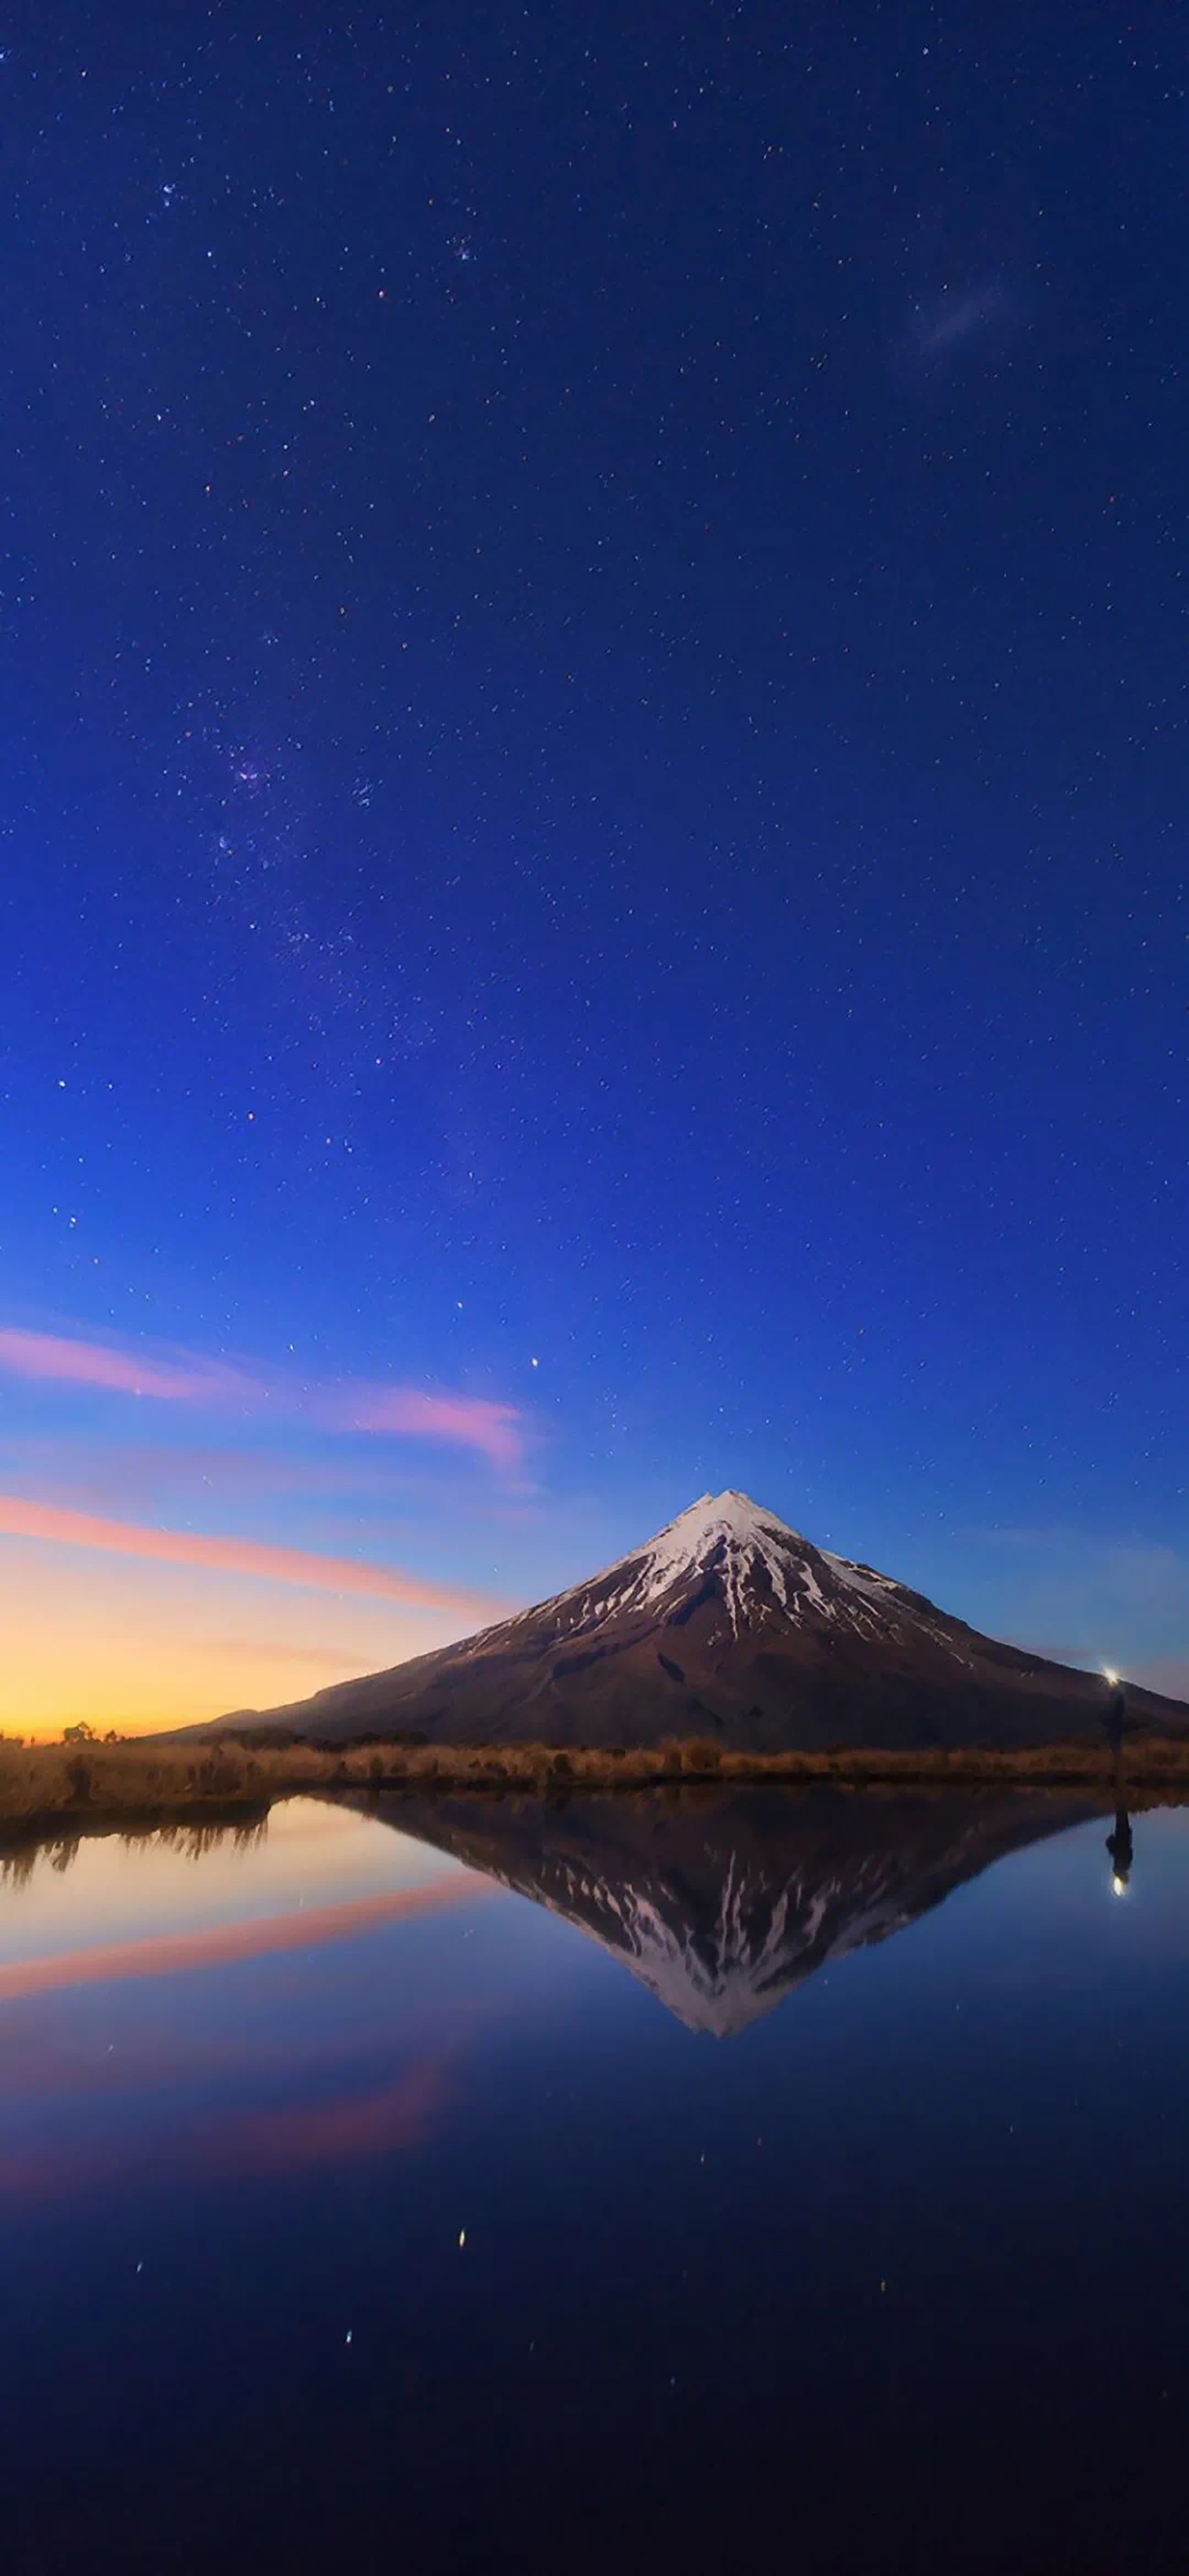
(121, 1641)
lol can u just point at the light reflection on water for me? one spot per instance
(778, 2132)
(107, 1887)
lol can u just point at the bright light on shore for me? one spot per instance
(1109, 1676)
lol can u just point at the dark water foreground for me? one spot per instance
(670, 2183)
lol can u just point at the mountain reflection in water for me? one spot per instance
(721, 1902)
(355, 2205)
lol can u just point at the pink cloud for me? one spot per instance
(188, 1381)
(472, 1422)
(21, 1518)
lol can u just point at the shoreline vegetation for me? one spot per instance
(88, 1782)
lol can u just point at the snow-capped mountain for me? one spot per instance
(730, 1625)
(722, 1902)
(760, 1573)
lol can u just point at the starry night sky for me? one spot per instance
(592, 820)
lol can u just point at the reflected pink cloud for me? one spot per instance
(286, 2138)
(400, 2114)
(22, 1518)
(221, 1944)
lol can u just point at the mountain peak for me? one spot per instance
(728, 1510)
(726, 1533)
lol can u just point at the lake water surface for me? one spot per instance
(679, 2182)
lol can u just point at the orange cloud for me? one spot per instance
(469, 1422)
(164, 1954)
(21, 1518)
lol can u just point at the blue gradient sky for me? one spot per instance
(591, 825)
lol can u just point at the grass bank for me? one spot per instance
(41, 1783)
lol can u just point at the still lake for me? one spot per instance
(672, 2182)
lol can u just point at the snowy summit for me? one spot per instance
(762, 1572)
